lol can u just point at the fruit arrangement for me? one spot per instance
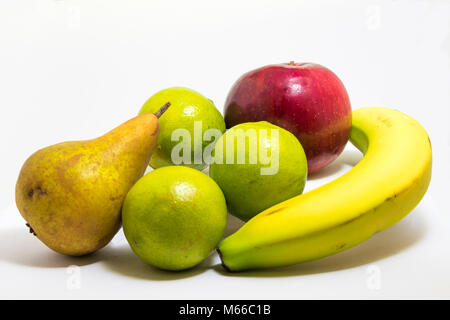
(284, 122)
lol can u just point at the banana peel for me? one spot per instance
(379, 191)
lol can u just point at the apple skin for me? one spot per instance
(306, 99)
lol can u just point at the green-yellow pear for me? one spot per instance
(71, 193)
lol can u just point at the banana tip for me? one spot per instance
(221, 260)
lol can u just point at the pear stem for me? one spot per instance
(162, 110)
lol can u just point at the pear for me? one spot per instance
(71, 193)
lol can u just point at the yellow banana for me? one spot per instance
(378, 192)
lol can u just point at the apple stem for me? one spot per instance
(163, 109)
(292, 63)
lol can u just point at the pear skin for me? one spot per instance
(71, 193)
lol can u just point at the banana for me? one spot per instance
(378, 192)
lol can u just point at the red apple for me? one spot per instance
(305, 98)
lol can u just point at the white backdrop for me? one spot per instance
(72, 70)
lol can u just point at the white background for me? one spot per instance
(72, 70)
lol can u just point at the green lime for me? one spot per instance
(173, 217)
(190, 115)
(258, 165)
